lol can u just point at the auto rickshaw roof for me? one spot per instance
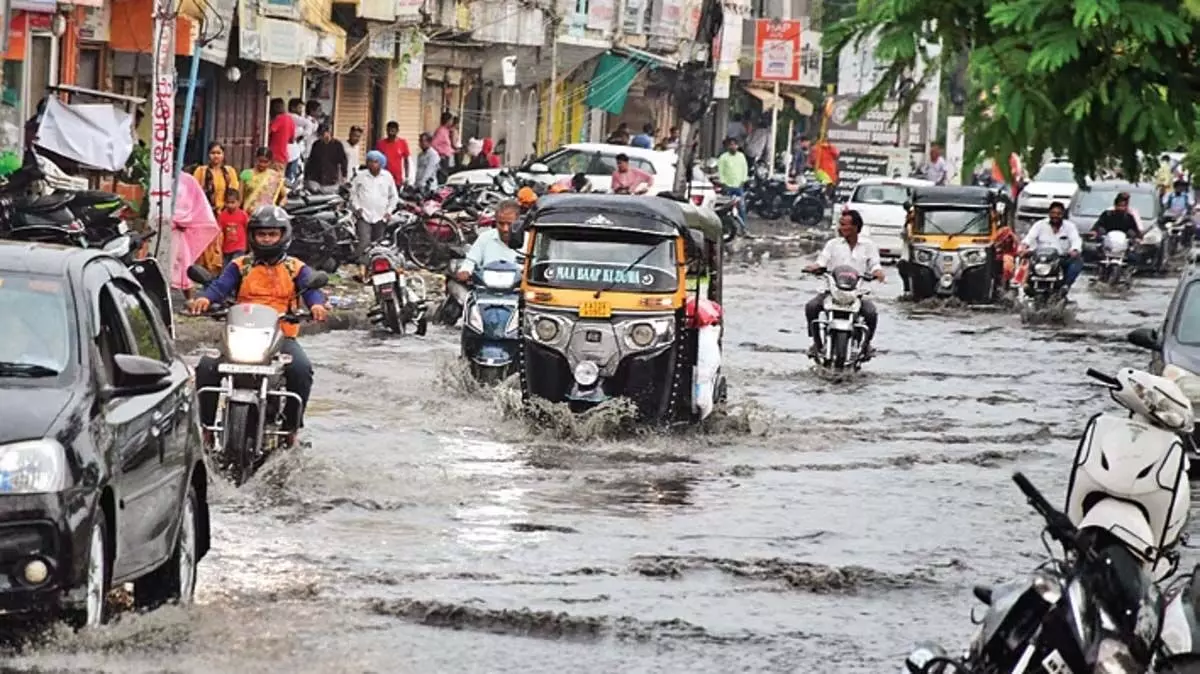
(622, 212)
(940, 196)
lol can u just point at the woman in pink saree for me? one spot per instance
(194, 228)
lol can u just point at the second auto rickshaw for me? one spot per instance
(950, 243)
(620, 297)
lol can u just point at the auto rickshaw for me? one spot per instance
(950, 238)
(620, 298)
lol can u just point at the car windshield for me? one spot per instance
(970, 222)
(1187, 330)
(594, 259)
(1056, 173)
(35, 325)
(566, 161)
(1091, 203)
(890, 195)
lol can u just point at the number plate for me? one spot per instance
(947, 265)
(1054, 664)
(235, 368)
(595, 310)
(384, 279)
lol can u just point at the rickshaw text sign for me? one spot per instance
(594, 274)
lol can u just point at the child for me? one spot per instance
(233, 220)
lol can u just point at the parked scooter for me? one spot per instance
(400, 297)
(247, 427)
(490, 332)
(841, 324)
(1095, 609)
(1111, 270)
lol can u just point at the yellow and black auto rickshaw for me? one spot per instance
(950, 235)
(620, 298)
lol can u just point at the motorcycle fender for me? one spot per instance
(385, 291)
(245, 396)
(492, 354)
(1123, 520)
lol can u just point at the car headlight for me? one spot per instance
(33, 467)
(248, 345)
(545, 329)
(1043, 268)
(1113, 657)
(974, 256)
(475, 318)
(500, 280)
(924, 255)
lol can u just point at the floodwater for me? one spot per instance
(823, 527)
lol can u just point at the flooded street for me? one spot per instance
(823, 527)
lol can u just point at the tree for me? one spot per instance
(1095, 80)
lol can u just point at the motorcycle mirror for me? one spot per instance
(319, 279)
(199, 275)
(1146, 338)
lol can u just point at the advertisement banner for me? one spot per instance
(856, 163)
(777, 51)
(876, 127)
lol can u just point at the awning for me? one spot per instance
(802, 104)
(610, 83)
(769, 100)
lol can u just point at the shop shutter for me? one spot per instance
(353, 105)
(408, 104)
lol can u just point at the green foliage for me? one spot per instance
(1095, 80)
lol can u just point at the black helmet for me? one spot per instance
(270, 217)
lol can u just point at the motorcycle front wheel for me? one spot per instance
(840, 349)
(238, 444)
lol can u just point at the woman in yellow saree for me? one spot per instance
(264, 184)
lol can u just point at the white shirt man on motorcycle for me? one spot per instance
(1055, 231)
(852, 250)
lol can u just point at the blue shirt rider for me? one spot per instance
(1179, 201)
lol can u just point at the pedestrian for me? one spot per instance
(443, 140)
(326, 166)
(373, 197)
(627, 180)
(493, 159)
(428, 163)
(353, 147)
(314, 115)
(395, 151)
(264, 186)
(232, 221)
(215, 178)
(733, 172)
(620, 136)
(645, 139)
(800, 155)
(282, 132)
(477, 158)
(304, 127)
(936, 170)
(672, 140)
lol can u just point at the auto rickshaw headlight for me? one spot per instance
(974, 256)
(586, 373)
(545, 329)
(642, 334)
(924, 255)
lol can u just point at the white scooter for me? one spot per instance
(1111, 270)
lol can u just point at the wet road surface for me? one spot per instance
(822, 527)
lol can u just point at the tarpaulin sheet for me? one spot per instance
(98, 135)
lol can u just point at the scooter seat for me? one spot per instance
(43, 204)
(320, 199)
(58, 217)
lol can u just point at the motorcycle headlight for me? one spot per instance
(1152, 237)
(843, 298)
(1043, 268)
(33, 467)
(500, 280)
(1113, 657)
(974, 256)
(248, 345)
(475, 318)
(924, 256)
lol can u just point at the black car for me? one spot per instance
(1176, 344)
(1090, 202)
(102, 474)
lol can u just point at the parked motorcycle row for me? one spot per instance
(804, 202)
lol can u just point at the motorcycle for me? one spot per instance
(727, 210)
(1097, 608)
(842, 327)
(769, 197)
(490, 335)
(1111, 269)
(400, 298)
(247, 427)
(811, 203)
(1179, 232)
(1044, 282)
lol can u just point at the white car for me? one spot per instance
(880, 201)
(1054, 182)
(598, 161)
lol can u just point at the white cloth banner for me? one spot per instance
(97, 135)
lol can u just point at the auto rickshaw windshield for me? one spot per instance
(591, 260)
(946, 222)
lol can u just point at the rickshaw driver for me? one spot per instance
(850, 250)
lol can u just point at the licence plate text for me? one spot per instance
(384, 278)
(236, 368)
(595, 310)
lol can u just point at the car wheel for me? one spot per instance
(94, 612)
(175, 580)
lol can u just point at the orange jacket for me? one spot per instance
(272, 285)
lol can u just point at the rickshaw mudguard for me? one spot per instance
(150, 275)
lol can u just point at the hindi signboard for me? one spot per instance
(777, 47)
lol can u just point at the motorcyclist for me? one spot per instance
(1118, 219)
(859, 253)
(1056, 232)
(267, 276)
(1179, 201)
(491, 246)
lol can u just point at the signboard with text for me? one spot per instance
(856, 163)
(875, 127)
(777, 46)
